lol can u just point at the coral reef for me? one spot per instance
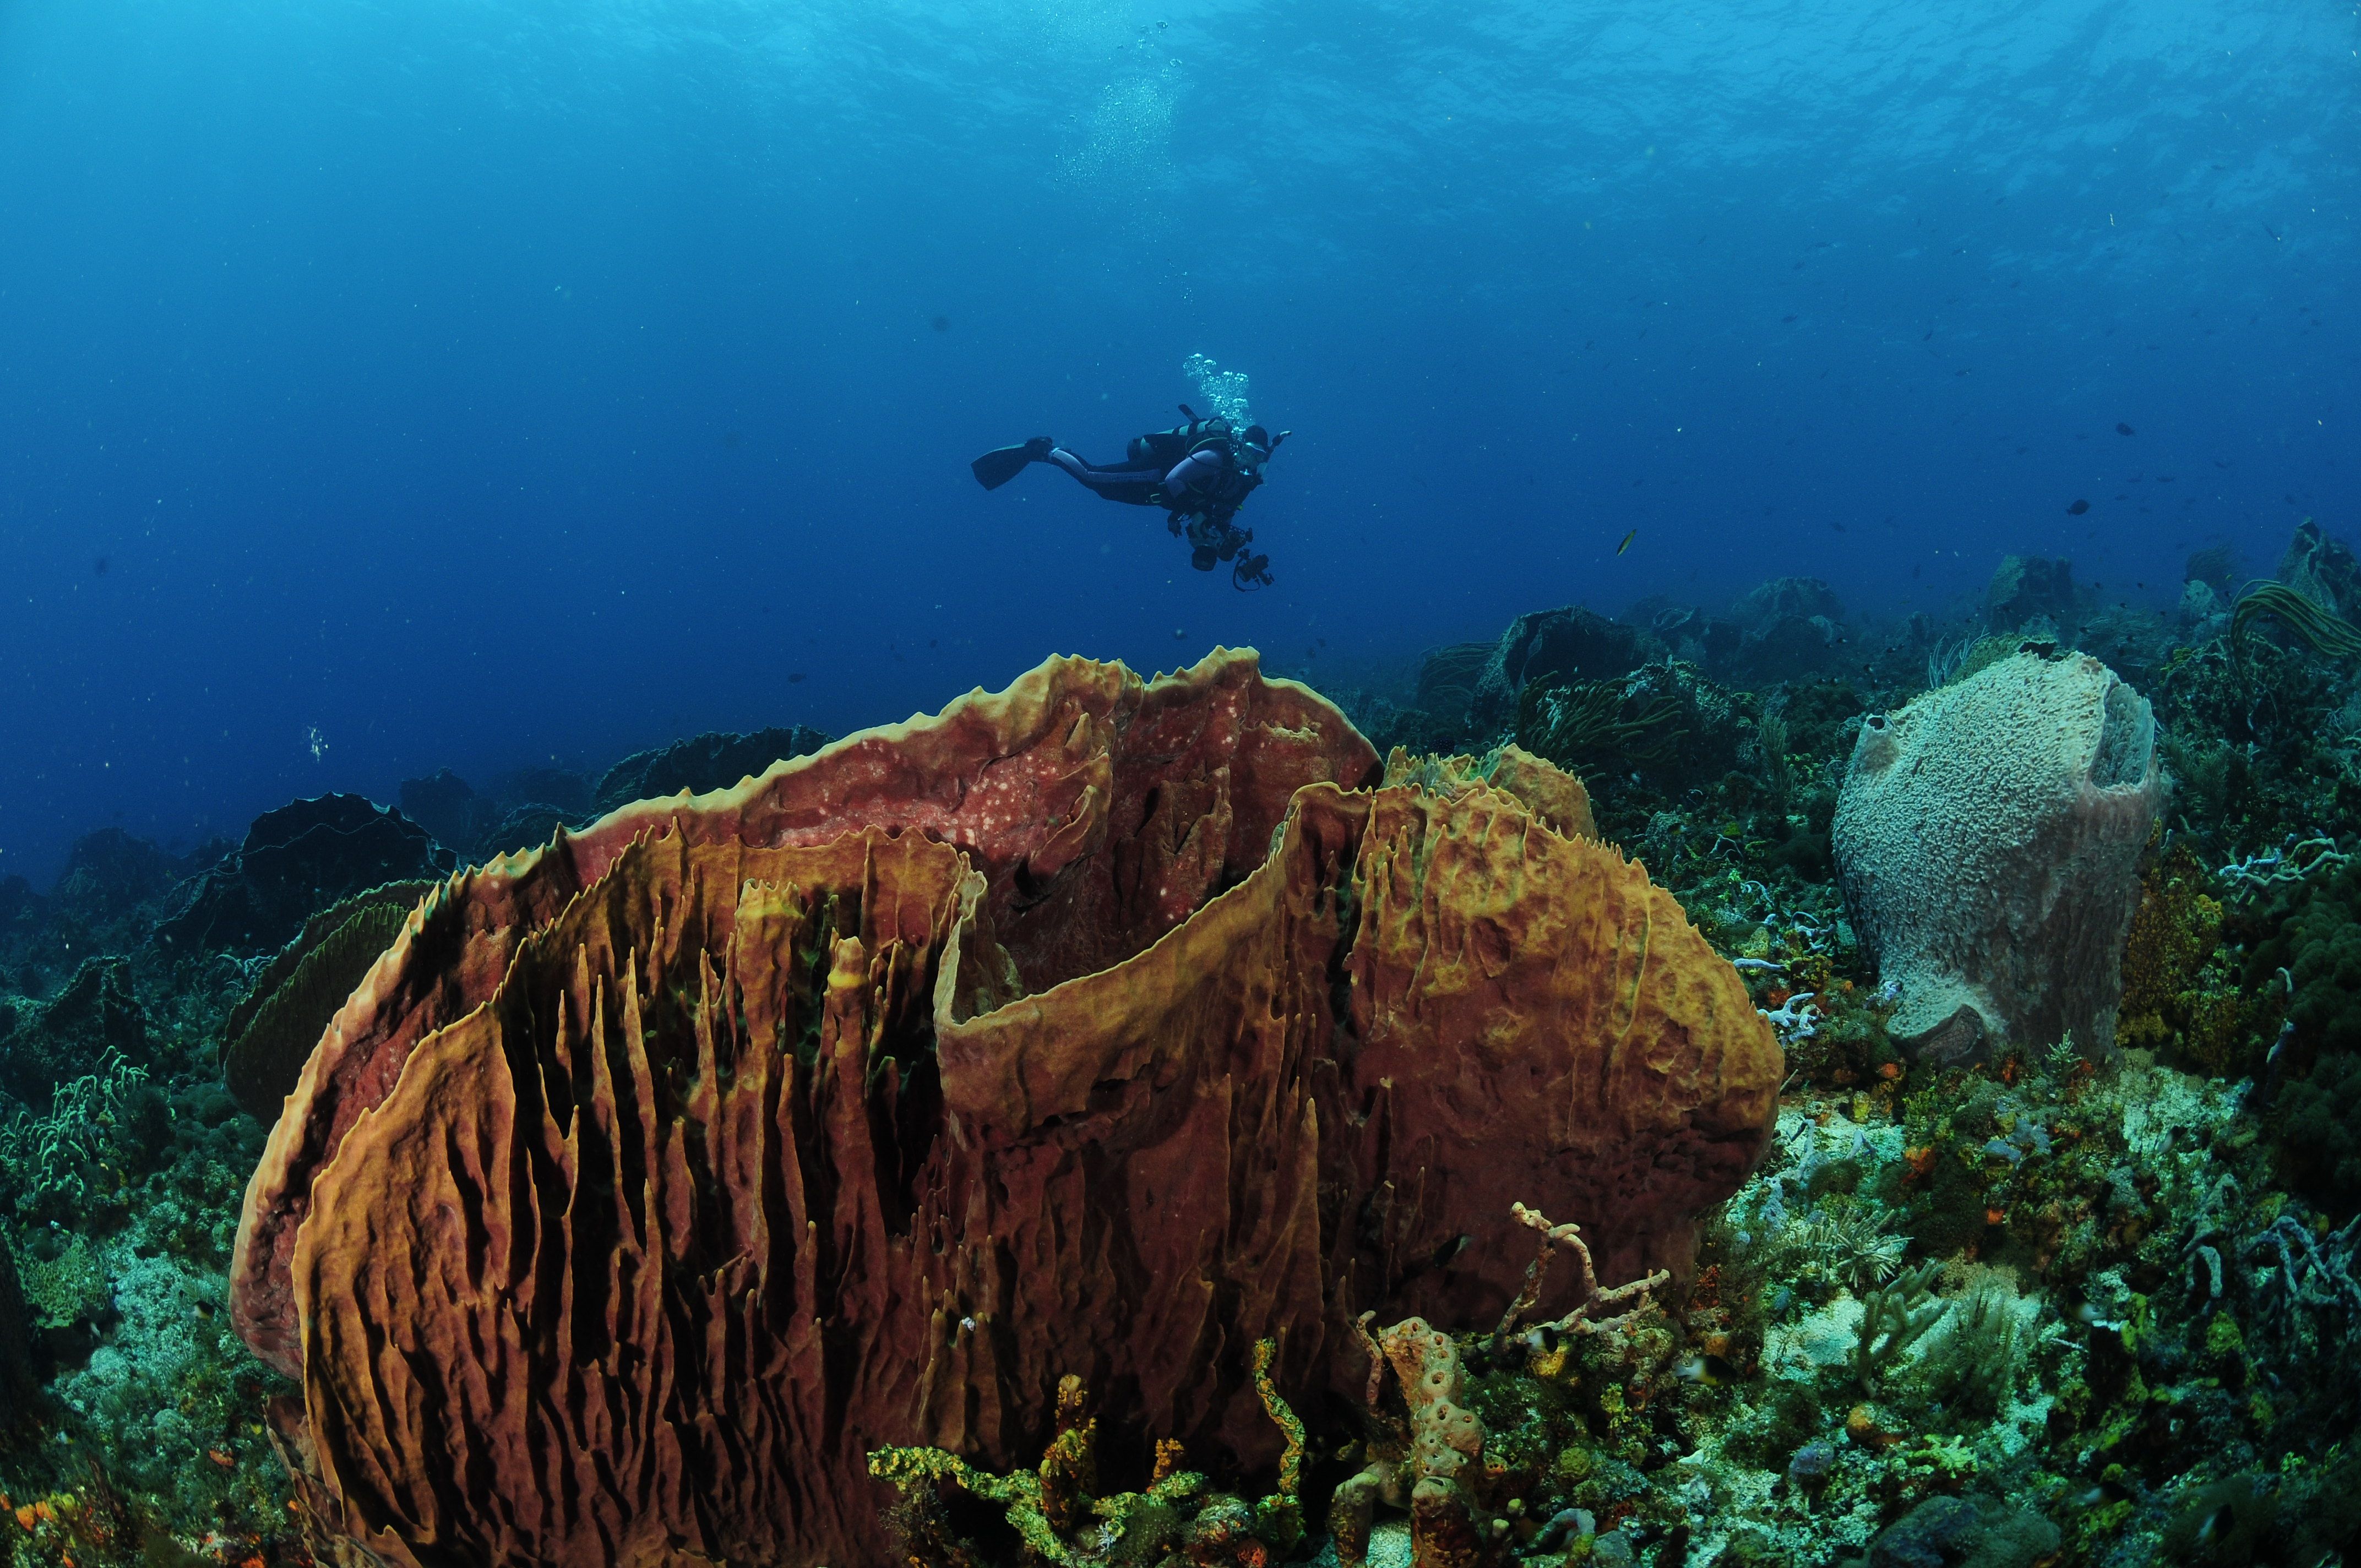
(702, 762)
(1988, 838)
(2323, 570)
(739, 1086)
(519, 811)
(445, 804)
(95, 1016)
(1563, 645)
(2182, 995)
(2103, 1299)
(1666, 723)
(1789, 628)
(2028, 592)
(294, 861)
(2313, 963)
(1447, 678)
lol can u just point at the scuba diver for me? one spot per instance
(1200, 473)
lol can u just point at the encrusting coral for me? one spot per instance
(1098, 1029)
(2178, 994)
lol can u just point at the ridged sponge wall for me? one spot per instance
(699, 1160)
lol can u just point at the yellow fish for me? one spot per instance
(1627, 542)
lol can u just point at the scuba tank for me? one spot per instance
(1169, 447)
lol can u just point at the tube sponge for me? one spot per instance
(1988, 839)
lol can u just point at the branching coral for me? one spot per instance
(1893, 1318)
(1060, 1515)
(47, 1159)
(1589, 1296)
(2315, 1274)
(2290, 865)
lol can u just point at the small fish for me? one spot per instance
(1709, 1370)
(2220, 1522)
(2122, 429)
(1627, 542)
(795, 677)
(1835, 524)
(2078, 509)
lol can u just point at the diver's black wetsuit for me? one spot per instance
(1200, 473)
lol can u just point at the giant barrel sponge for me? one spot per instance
(1098, 1026)
(1988, 838)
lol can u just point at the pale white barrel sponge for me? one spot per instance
(1988, 838)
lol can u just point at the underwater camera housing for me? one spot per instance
(1212, 541)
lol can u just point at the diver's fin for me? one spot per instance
(1002, 463)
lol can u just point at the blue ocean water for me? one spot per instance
(491, 383)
